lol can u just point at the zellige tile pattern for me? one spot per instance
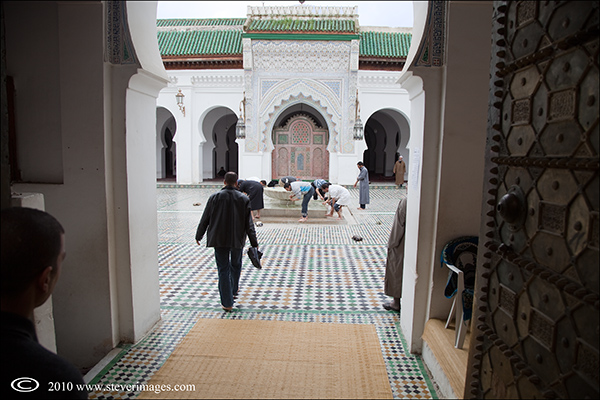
(311, 273)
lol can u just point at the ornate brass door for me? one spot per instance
(536, 314)
(300, 150)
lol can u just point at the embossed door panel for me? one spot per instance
(300, 149)
(536, 314)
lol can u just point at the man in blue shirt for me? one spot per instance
(301, 189)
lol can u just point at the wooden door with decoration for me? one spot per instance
(300, 150)
(536, 314)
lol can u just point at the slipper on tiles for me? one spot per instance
(388, 306)
(357, 238)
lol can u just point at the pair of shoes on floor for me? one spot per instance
(389, 307)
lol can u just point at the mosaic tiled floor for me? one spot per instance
(311, 273)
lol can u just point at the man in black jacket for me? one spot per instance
(33, 250)
(228, 219)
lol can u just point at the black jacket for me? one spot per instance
(228, 219)
(27, 364)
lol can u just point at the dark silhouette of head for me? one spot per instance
(31, 242)
(231, 179)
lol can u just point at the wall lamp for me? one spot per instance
(358, 126)
(179, 96)
(240, 127)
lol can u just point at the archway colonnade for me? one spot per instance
(200, 136)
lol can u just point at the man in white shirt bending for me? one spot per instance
(339, 197)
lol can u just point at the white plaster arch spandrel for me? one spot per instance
(200, 124)
(293, 91)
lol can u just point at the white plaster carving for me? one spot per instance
(348, 142)
(304, 11)
(301, 57)
(354, 55)
(379, 81)
(217, 80)
(336, 86)
(266, 85)
(252, 141)
(294, 91)
(247, 53)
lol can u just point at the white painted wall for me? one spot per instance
(415, 284)
(108, 289)
(447, 128)
(144, 291)
(40, 160)
(464, 135)
(82, 302)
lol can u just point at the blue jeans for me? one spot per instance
(305, 201)
(229, 273)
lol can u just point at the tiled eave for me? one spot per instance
(204, 62)
(299, 36)
(236, 62)
(381, 63)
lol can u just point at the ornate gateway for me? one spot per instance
(300, 149)
(536, 310)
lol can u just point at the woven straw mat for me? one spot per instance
(236, 359)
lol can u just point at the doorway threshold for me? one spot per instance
(447, 364)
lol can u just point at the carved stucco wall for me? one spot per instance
(281, 73)
(119, 49)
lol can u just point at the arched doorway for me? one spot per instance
(386, 135)
(225, 152)
(165, 145)
(169, 155)
(220, 148)
(300, 148)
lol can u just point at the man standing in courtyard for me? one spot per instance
(228, 219)
(399, 171)
(33, 251)
(363, 188)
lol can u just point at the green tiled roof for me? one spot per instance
(189, 43)
(384, 44)
(228, 41)
(307, 25)
(162, 23)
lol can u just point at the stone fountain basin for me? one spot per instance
(278, 193)
(280, 209)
